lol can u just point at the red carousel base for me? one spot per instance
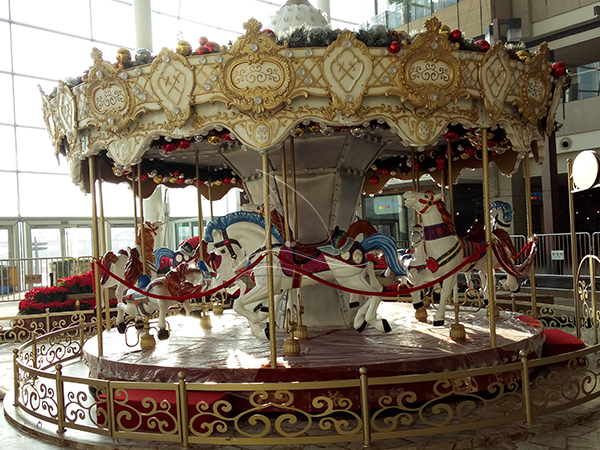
(228, 353)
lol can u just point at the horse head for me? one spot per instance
(421, 201)
(502, 214)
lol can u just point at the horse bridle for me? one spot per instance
(227, 243)
(428, 203)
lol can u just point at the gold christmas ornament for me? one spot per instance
(123, 58)
(214, 139)
(445, 29)
(158, 179)
(299, 131)
(184, 48)
(218, 182)
(524, 55)
(464, 155)
(314, 127)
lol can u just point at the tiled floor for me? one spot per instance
(576, 429)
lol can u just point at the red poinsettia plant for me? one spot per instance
(55, 298)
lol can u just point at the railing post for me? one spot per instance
(81, 340)
(33, 350)
(183, 410)
(365, 406)
(60, 399)
(16, 376)
(47, 320)
(526, 390)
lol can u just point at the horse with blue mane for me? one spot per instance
(239, 238)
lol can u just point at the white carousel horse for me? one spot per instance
(140, 305)
(127, 264)
(239, 239)
(445, 250)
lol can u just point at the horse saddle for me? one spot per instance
(309, 258)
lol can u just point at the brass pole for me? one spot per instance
(574, 247)
(104, 249)
(135, 218)
(268, 245)
(415, 182)
(286, 214)
(530, 233)
(143, 228)
(451, 195)
(592, 294)
(96, 253)
(212, 215)
(294, 191)
(488, 237)
(200, 214)
(526, 389)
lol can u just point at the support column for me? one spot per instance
(142, 12)
(551, 205)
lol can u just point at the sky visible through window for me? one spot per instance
(44, 41)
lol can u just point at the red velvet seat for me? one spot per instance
(558, 342)
(530, 321)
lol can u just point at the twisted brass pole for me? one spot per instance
(530, 233)
(96, 251)
(488, 238)
(200, 214)
(268, 245)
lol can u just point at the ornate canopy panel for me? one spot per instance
(410, 98)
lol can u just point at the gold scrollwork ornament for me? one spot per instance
(430, 75)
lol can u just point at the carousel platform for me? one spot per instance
(228, 353)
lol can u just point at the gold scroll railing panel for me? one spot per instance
(282, 413)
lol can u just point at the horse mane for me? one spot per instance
(148, 241)
(134, 268)
(107, 260)
(221, 223)
(446, 216)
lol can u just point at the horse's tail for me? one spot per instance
(163, 252)
(107, 260)
(360, 226)
(387, 244)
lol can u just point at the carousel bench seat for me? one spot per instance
(132, 413)
(558, 342)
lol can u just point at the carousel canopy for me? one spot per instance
(371, 105)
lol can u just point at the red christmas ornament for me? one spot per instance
(227, 137)
(269, 33)
(394, 47)
(483, 45)
(226, 180)
(374, 179)
(470, 151)
(201, 50)
(559, 69)
(170, 147)
(184, 144)
(203, 40)
(144, 176)
(450, 135)
(180, 180)
(455, 36)
(416, 165)
(384, 171)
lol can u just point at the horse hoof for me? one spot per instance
(438, 323)
(121, 328)
(517, 290)
(268, 332)
(386, 326)
(418, 305)
(362, 327)
(182, 312)
(139, 325)
(163, 334)
(258, 307)
(354, 305)
(485, 301)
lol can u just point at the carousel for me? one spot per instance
(307, 121)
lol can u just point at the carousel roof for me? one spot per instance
(374, 111)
